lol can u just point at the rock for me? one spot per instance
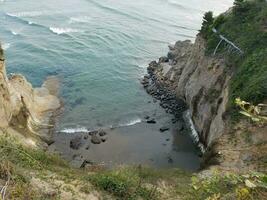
(171, 47)
(87, 147)
(76, 142)
(147, 117)
(103, 139)
(180, 127)
(164, 128)
(170, 160)
(95, 139)
(85, 137)
(163, 59)
(92, 133)
(102, 133)
(171, 55)
(151, 121)
(168, 139)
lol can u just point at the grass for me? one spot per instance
(20, 163)
(229, 186)
(246, 27)
(126, 183)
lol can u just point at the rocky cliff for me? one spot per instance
(200, 80)
(24, 109)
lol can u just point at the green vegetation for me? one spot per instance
(19, 164)
(124, 184)
(246, 27)
(230, 186)
(16, 161)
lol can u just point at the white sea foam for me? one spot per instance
(27, 14)
(85, 130)
(5, 46)
(74, 130)
(80, 19)
(64, 30)
(14, 33)
(131, 122)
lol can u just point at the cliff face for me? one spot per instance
(201, 81)
(23, 108)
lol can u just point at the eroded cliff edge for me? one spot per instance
(26, 111)
(201, 81)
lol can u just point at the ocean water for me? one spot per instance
(98, 49)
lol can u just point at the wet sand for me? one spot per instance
(141, 143)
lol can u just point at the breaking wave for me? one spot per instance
(74, 130)
(60, 31)
(27, 14)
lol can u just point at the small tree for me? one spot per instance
(240, 6)
(206, 24)
(238, 3)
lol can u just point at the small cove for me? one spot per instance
(100, 51)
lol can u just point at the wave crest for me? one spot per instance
(80, 19)
(74, 130)
(60, 31)
(131, 122)
(27, 14)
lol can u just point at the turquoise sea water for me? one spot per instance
(99, 49)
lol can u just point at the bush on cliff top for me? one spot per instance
(246, 26)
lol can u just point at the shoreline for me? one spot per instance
(163, 89)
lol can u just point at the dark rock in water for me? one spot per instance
(76, 142)
(163, 59)
(180, 127)
(95, 139)
(103, 139)
(168, 139)
(87, 147)
(170, 160)
(151, 121)
(147, 117)
(164, 128)
(102, 133)
(92, 133)
(85, 137)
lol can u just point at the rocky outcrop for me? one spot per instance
(26, 109)
(200, 80)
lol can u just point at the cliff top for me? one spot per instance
(245, 26)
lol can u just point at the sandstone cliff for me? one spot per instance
(201, 81)
(24, 109)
